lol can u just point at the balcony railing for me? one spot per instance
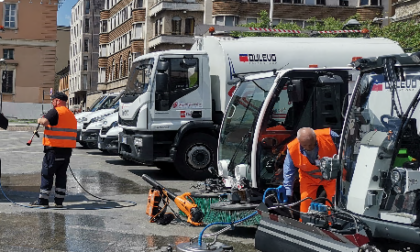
(169, 38)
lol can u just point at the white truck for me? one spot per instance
(175, 100)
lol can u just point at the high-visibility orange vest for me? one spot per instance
(64, 134)
(326, 148)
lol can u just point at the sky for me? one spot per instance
(64, 12)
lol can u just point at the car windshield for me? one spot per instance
(372, 113)
(140, 76)
(243, 109)
(97, 103)
(116, 101)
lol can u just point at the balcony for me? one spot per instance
(171, 39)
(188, 5)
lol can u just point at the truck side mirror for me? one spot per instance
(161, 82)
(162, 65)
(295, 90)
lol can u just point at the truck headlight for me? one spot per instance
(138, 142)
(395, 176)
(114, 124)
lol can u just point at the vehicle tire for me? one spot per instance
(83, 144)
(196, 153)
(165, 166)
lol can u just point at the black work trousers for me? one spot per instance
(53, 164)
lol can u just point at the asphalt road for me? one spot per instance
(84, 224)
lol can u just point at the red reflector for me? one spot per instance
(313, 66)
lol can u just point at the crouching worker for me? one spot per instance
(59, 138)
(304, 153)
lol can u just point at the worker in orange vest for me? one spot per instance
(304, 153)
(59, 140)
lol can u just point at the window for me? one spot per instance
(375, 2)
(113, 70)
(158, 27)
(139, 3)
(226, 20)
(287, 1)
(7, 82)
(124, 73)
(8, 54)
(104, 26)
(86, 45)
(344, 3)
(87, 25)
(182, 78)
(87, 6)
(251, 20)
(10, 15)
(364, 2)
(297, 1)
(320, 2)
(176, 25)
(121, 67)
(85, 63)
(189, 26)
(130, 60)
(276, 21)
(138, 31)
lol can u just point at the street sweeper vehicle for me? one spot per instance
(175, 100)
(376, 206)
(108, 135)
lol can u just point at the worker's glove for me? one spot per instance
(330, 167)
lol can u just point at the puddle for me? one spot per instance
(48, 231)
(96, 182)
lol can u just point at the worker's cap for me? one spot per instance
(60, 95)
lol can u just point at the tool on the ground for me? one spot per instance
(35, 133)
(184, 202)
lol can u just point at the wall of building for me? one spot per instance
(25, 111)
(33, 42)
(63, 45)
(408, 9)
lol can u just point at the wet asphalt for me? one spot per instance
(110, 216)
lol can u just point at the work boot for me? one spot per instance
(58, 205)
(40, 203)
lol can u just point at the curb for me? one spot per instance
(23, 128)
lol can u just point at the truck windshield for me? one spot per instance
(243, 109)
(373, 121)
(140, 75)
(106, 102)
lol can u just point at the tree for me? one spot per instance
(407, 33)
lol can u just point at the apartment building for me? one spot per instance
(406, 10)
(28, 47)
(232, 13)
(128, 32)
(84, 49)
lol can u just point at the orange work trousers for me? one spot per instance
(309, 187)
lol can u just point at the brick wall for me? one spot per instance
(116, 59)
(121, 30)
(103, 38)
(119, 6)
(291, 11)
(104, 14)
(369, 12)
(137, 46)
(139, 15)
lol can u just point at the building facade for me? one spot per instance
(28, 47)
(83, 52)
(232, 13)
(63, 81)
(407, 10)
(130, 28)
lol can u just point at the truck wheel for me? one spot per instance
(196, 153)
(83, 144)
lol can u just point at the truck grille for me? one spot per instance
(105, 130)
(128, 122)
